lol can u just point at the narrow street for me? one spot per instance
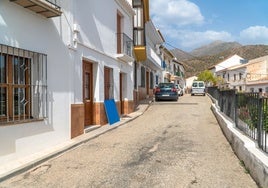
(174, 144)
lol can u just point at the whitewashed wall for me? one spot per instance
(25, 29)
(97, 43)
(96, 38)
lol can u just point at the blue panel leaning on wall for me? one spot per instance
(111, 111)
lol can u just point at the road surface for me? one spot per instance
(173, 144)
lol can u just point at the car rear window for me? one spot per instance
(166, 85)
(201, 84)
(198, 84)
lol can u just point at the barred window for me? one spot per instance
(23, 85)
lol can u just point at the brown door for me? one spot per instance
(119, 50)
(121, 94)
(147, 83)
(88, 92)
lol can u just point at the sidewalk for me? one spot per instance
(25, 164)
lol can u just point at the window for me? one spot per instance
(228, 77)
(135, 75)
(151, 80)
(142, 77)
(201, 84)
(234, 77)
(156, 79)
(240, 76)
(138, 27)
(23, 89)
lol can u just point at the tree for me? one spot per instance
(207, 77)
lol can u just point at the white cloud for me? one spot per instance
(254, 34)
(180, 22)
(175, 12)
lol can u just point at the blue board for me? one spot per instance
(111, 111)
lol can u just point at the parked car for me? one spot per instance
(198, 87)
(166, 91)
(180, 90)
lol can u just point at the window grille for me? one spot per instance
(23, 85)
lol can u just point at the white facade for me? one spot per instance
(153, 41)
(189, 82)
(82, 32)
(229, 62)
(167, 59)
(149, 72)
(234, 77)
(248, 77)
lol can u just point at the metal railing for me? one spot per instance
(52, 3)
(249, 111)
(125, 44)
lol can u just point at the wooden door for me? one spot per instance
(88, 92)
(121, 94)
(147, 83)
(119, 34)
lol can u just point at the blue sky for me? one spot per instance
(189, 24)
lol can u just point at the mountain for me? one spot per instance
(181, 55)
(196, 64)
(214, 48)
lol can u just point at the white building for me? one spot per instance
(147, 40)
(248, 77)
(234, 77)
(58, 64)
(229, 62)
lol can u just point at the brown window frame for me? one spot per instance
(23, 89)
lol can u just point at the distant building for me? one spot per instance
(189, 82)
(257, 75)
(229, 62)
(246, 77)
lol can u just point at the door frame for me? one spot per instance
(88, 117)
(121, 93)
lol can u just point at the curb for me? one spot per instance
(244, 148)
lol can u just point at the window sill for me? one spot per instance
(11, 123)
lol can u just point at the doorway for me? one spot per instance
(147, 83)
(121, 93)
(88, 92)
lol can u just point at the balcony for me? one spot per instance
(124, 48)
(140, 53)
(46, 8)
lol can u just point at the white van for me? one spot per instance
(198, 88)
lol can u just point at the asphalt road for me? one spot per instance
(173, 144)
